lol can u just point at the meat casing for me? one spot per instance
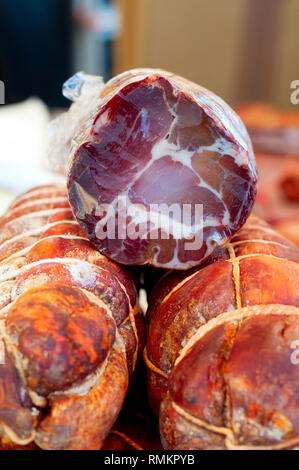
(222, 348)
(155, 138)
(68, 328)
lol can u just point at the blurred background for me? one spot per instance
(243, 50)
(246, 51)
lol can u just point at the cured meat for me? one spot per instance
(70, 329)
(271, 130)
(278, 190)
(275, 136)
(134, 431)
(137, 426)
(290, 181)
(222, 347)
(153, 150)
(289, 228)
(273, 202)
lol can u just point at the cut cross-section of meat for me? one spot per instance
(161, 172)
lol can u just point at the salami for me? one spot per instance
(161, 170)
(70, 329)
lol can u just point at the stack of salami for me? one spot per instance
(161, 179)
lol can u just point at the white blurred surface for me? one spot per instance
(23, 134)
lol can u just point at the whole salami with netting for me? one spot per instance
(70, 329)
(222, 349)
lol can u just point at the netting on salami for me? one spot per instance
(161, 170)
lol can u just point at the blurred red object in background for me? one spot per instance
(275, 138)
(271, 130)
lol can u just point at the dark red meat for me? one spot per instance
(156, 138)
